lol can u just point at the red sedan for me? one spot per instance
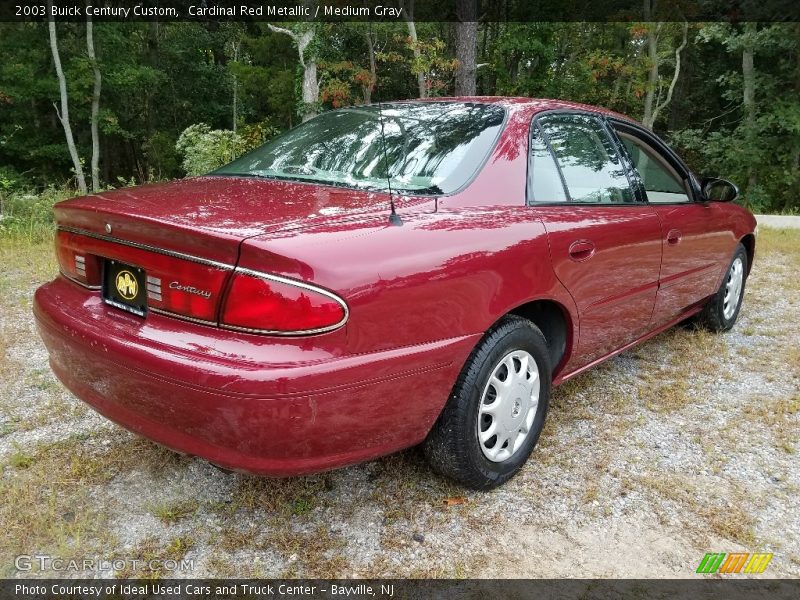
(385, 276)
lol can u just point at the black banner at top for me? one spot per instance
(394, 10)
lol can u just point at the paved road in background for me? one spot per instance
(779, 221)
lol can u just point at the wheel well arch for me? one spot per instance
(749, 243)
(555, 323)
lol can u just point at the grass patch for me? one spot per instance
(696, 350)
(780, 416)
(779, 241)
(582, 397)
(234, 538)
(8, 427)
(314, 552)
(726, 515)
(296, 496)
(152, 555)
(20, 459)
(301, 506)
(174, 511)
(25, 265)
(665, 396)
(320, 553)
(47, 506)
(405, 486)
(28, 218)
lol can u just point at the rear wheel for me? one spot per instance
(496, 411)
(722, 310)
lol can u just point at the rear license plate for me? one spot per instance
(124, 287)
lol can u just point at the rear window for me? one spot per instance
(426, 147)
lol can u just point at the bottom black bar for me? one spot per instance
(385, 589)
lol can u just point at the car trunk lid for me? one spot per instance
(185, 235)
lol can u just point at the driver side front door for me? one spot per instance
(693, 240)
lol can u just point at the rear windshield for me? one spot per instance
(430, 148)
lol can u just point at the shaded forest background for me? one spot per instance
(151, 101)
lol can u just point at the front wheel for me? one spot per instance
(722, 310)
(496, 411)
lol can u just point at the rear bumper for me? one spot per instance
(271, 406)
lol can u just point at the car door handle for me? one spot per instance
(674, 237)
(581, 250)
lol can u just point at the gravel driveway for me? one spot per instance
(685, 445)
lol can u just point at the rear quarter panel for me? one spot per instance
(439, 275)
(450, 270)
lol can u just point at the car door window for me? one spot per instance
(588, 159)
(661, 182)
(544, 180)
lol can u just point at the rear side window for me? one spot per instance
(544, 180)
(589, 162)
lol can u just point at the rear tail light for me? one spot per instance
(204, 291)
(262, 303)
(75, 264)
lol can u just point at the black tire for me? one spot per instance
(452, 447)
(713, 316)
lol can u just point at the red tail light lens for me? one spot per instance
(264, 303)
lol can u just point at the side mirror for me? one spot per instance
(716, 189)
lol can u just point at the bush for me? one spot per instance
(11, 180)
(205, 149)
(30, 216)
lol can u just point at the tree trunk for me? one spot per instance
(422, 84)
(235, 45)
(95, 105)
(466, 47)
(373, 67)
(749, 94)
(63, 116)
(152, 59)
(675, 75)
(310, 89)
(652, 76)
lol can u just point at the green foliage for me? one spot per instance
(10, 180)
(426, 58)
(762, 155)
(163, 81)
(29, 215)
(205, 149)
(344, 84)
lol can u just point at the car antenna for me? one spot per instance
(394, 218)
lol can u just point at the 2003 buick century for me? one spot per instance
(384, 276)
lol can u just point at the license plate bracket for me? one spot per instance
(124, 287)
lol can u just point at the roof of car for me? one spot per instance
(540, 104)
